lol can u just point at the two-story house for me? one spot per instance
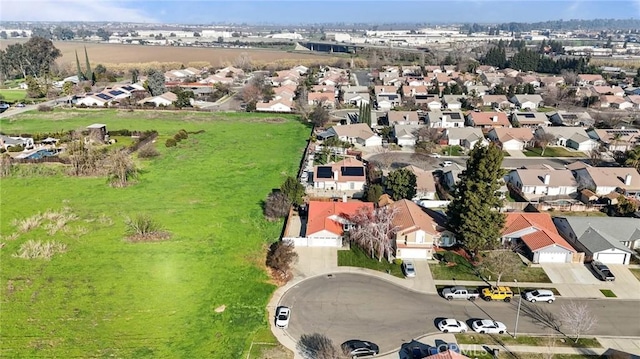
(536, 183)
(445, 119)
(346, 175)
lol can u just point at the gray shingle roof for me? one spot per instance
(601, 233)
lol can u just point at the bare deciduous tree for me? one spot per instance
(121, 168)
(374, 230)
(570, 77)
(501, 262)
(281, 257)
(543, 139)
(244, 62)
(577, 318)
(317, 346)
(276, 206)
(5, 165)
(595, 156)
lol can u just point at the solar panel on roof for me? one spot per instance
(570, 116)
(325, 172)
(353, 171)
(128, 88)
(116, 92)
(104, 96)
(528, 115)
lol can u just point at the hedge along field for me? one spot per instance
(106, 297)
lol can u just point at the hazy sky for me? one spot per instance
(304, 11)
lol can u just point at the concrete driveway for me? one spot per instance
(575, 280)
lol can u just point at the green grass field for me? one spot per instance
(13, 95)
(106, 297)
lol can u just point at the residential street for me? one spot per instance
(342, 308)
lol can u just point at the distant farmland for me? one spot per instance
(122, 55)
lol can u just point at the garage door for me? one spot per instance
(611, 258)
(552, 257)
(411, 253)
(324, 242)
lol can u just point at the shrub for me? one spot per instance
(171, 142)
(45, 108)
(148, 151)
(183, 134)
(177, 137)
(397, 261)
(143, 228)
(18, 148)
(37, 249)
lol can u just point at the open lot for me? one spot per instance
(106, 297)
(120, 53)
(12, 96)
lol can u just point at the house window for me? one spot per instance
(352, 185)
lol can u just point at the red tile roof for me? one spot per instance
(545, 235)
(323, 215)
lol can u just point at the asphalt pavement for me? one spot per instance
(353, 306)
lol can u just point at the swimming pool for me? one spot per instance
(42, 153)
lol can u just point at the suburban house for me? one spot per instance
(570, 137)
(453, 102)
(11, 141)
(387, 97)
(511, 138)
(552, 81)
(635, 101)
(346, 175)
(527, 101)
(406, 134)
(487, 119)
(166, 99)
(609, 240)
(606, 90)
(217, 79)
(451, 175)
(356, 98)
(359, 133)
(182, 75)
(616, 139)
(432, 102)
(587, 79)
(418, 233)
(565, 118)
(478, 90)
(535, 183)
(529, 119)
(466, 137)
(611, 101)
(496, 101)
(321, 98)
(328, 221)
(403, 118)
(412, 91)
(92, 100)
(280, 105)
(605, 180)
(425, 184)
(529, 80)
(445, 119)
(538, 237)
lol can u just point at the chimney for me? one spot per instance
(494, 119)
(627, 179)
(547, 178)
(335, 175)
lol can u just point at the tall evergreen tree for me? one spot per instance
(474, 212)
(79, 69)
(89, 74)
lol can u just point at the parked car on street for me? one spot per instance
(282, 317)
(447, 163)
(489, 326)
(497, 293)
(359, 348)
(540, 295)
(408, 268)
(434, 155)
(459, 292)
(452, 326)
(602, 271)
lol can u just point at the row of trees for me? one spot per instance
(65, 33)
(531, 60)
(33, 58)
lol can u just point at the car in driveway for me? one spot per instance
(488, 326)
(357, 348)
(602, 271)
(540, 295)
(408, 268)
(282, 317)
(451, 325)
(20, 105)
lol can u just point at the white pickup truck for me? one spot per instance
(458, 292)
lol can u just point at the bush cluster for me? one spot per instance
(170, 143)
(148, 151)
(45, 108)
(18, 148)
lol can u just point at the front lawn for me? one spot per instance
(356, 257)
(552, 151)
(635, 272)
(608, 293)
(452, 151)
(463, 270)
(546, 109)
(200, 294)
(526, 340)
